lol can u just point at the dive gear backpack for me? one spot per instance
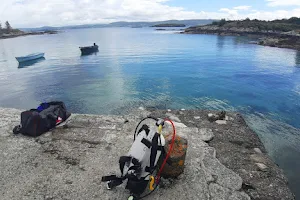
(35, 122)
(141, 162)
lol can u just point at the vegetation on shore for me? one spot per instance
(283, 25)
(9, 32)
(168, 25)
(283, 33)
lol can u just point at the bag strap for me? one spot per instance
(122, 161)
(143, 128)
(154, 150)
(112, 181)
(17, 129)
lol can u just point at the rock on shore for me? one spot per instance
(68, 162)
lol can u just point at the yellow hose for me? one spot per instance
(151, 183)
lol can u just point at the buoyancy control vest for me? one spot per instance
(141, 162)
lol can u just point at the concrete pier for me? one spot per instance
(225, 160)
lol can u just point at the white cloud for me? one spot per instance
(231, 12)
(34, 13)
(257, 14)
(242, 7)
(274, 3)
(278, 14)
(58, 12)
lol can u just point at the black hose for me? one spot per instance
(149, 117)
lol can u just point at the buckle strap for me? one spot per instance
(114, 183)
(144, 128)
(146, 142)
(160, 148)
(147, 169)
(122, 161)
(109, 178)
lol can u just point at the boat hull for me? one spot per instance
(88, 50)
(30, 57)
(30, 62)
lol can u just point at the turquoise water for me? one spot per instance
(144, 67)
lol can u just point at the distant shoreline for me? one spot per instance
(284, 35)
(19, 34)
(169, 25)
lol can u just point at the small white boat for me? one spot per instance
(30, 57)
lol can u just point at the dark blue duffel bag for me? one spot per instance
(35, 122)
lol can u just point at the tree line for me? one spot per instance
(291, 21)
(283, 25)
(6, 29)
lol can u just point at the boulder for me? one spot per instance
(221, 122)
(219, 116)
(259, 158)
(261, 167)
(173, 117)
(175, 164)
(257, 150)
(206, 134)
(141, 108)
(222, 115)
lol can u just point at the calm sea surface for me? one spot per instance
(144, 67)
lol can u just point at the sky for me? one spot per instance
(37, 13)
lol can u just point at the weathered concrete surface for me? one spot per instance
(68, 163)
(240, 149)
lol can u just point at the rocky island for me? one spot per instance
(9, 32)
(225, 159)
(283, 33)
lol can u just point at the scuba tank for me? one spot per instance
(141, 162)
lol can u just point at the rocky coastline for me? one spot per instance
(21, 33)
(274, 38)
(225, 158)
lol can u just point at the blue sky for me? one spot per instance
(34, 13)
